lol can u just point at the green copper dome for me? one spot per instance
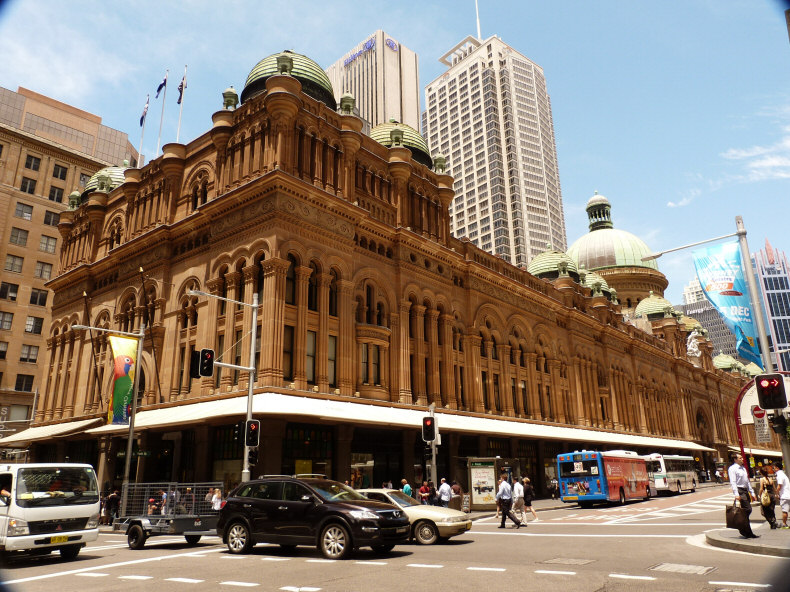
(605, 246)
(591, 278)
(411, 140)
(315, 82)
(115, 173)
(547, 265)
(653, 307)
(725, 362)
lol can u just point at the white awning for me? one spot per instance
(382, 415)
(758, 451)
(47, 431)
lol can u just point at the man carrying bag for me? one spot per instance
(738, 518)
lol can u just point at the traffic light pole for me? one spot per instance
(432, 472)
(245, 468)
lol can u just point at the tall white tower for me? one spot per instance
(383, 76)
(490, 115)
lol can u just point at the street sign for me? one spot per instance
(762, 430)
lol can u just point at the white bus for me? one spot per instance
(671, 472)
(48, 507)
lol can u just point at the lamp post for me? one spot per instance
(245, 469)
(754, 296)
(127, 465)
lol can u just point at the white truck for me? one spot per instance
(46, 506)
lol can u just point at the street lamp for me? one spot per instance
(762, 335)
(140, 340)
(245, 470)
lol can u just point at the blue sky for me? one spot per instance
(677, 111)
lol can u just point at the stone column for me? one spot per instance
(272, 322)
(558, 406)
(474, 373)
(300, 331)
(322, 339)
(433, 378)
(419, 354)
(347, 339)
(404, 371)
(506, 392)
(447, 387)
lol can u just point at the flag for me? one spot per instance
(721, 276)
(162, 85)
(145, 111)
(124, 351)
(181, 86)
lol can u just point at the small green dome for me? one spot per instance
(725, 362)
(411, 140)
(605, 246)
(591, 278)
(653, 307)
(315, 82)
(546, 264)
(115, 173)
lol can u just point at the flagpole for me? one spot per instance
(181, 104)
(142, 134)
(162, 117)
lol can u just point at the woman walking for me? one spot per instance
(768, 494)
(529, 493)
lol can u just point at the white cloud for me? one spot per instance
(762, 163)
(690, 196)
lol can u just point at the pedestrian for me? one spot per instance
(189, 501)
(518, 500)
(529, 495)
(113, 503)
(445, 493)
(209, 497)
(406, 488)
(216, 501)
(555, 488)
(742, 491)
(389, 483)
(431, 493)
(162, 502)
(783, 485)
(456, 488)
(768, 494)
(422, 493)
(504, 497)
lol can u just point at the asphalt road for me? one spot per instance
(653, 546)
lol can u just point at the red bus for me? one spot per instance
(589, 476)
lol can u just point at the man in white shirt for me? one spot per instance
(505, 498)
(743, 491)
(518, 499)
(783, 483)
(445, 493)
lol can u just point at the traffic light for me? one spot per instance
(206, 366)
(238, 431)
(252, 457)
(779, 424)
(428, 428)
(253, 432)
(427, 453)
(194, 364)
(771, 391)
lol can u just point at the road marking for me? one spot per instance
(135, 577)
(93, 575)
(241, 584)
(236, 557)
(428, 565)
(591, 536)
(555, 572)
(184, 580)
(320, 560)
(299, 589)
(627, 577)
(714, 583)
(700, 570)
(275, 558)
(371, 563)
(486, 569)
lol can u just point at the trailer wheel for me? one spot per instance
(136, 537)
(192, 539)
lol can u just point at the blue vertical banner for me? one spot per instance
(720, 273)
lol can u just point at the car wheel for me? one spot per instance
(622, 497)
(135, 538)
(335, 541)
(239, 538)
(383, 548)
(426, 533)
(192, 539)
(70, 552)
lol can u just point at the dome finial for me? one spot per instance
(230, 99)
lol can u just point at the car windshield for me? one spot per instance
(54, 486)
(402, 499)
(333, 491)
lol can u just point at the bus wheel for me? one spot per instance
(680, 487)
(622, 496)
(693, 486)
(647, 493)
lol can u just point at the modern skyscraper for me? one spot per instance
(383, 76)
(773, 275)
(490, 115)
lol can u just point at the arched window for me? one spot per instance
(290, 281)
(312, 288)
(333, 294)
(483, 353)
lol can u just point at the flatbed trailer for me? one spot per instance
(167, 508)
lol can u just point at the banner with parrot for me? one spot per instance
(124, 351)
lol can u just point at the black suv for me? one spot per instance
(290, 511)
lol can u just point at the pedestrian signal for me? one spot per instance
(253, 432)
(428, 428)
(252, 457)
(771, 391)
(194, 364)
(206, 367)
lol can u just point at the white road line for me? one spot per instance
(184, 580)
(486, 569)
(275, 558)
(634, 523)
(592, 536)
(715, 583)
(428, 565)
(135, 577)
(555, 573)
(627, 577)
(371, 563)
(299, 589)
(241, 584)
(320, 561)
(93, 575)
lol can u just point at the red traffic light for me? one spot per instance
(428, 429)
(771, 391)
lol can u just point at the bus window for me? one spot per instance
(583, 468)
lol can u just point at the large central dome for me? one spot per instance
(315, 82)
(605, 246)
